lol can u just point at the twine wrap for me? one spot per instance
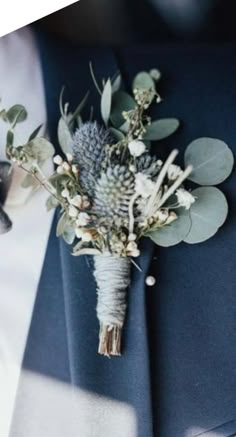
(112, 275)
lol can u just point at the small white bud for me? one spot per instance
(136, 148)
(74, 169)
(82, 219)
(60, 169)
(135, 253)
(76, 201)
(159, 162)
(132, 168)
(132, 237)
(65, 193)
(58, 160)
(66, 166)
(131, 246)
(69, 157)
(150, 281)
(72, 211)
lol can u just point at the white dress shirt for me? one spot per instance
(22, 250)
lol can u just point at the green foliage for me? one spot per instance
(16, 114)
(212, 161)
(64, 136)
(106, 101)
(174, 233)
(207, 214)
(160, 129)
(143, 80)
(121, 101)
(39, 149)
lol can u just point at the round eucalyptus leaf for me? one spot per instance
(121, 101)
(40, 149)
(143, 80)
(207, 214)
(16, 114)
(212, 161)
(161, 129)
(173, 234)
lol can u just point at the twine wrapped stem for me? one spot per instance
(112, 274)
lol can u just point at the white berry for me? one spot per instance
(150, 281)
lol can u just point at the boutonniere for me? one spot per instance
(112, 190)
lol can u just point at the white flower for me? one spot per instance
(58, 159)
(131, 246)
(72, 211)
(174, 171)
(82, 219)
(143, 185)
(185, 198)
(84, 235)
(136, 147)
(76, 201)
(161, 215)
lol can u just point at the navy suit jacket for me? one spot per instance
(177, 373)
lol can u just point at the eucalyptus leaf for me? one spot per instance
(117, 134)
(35, 133)
(106, 101)
(40, 149)
(116, 84)
(212, 161)
(64, 136)
(51, 202)
(29, 181)
(160, 129)
(68, 234)
(155, 74)
(121, 101)
(10, 138)
(143, 80)
(61, 224)
(207, 214)
(172, 234)
(16, 114)
(79, 108)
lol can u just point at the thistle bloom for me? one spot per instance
(185, 198)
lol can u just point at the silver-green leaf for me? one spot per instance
(106, 101)
(143, 80)
(121, 102)
(160, 129)
(16, 114)
(173, 234)
(64, 136)
(212, 161)
(40, 149)
(207, 214)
